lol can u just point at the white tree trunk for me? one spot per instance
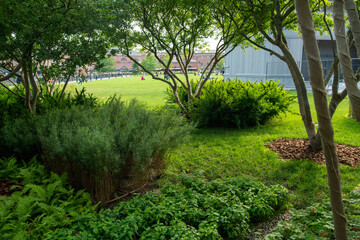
(326, 130)
(344, 57)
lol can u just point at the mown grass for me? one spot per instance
(232, 152)
(150, 91)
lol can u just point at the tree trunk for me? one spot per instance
(303, 100)
(325, 127)
(344, 56)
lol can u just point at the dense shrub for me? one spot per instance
(194, 209)
(316, 221)
(98, 148)
(43, 203)
(236, 103)
(11, 106)
(19, 138)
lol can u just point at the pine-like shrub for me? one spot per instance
(98, 148)
(236, 103)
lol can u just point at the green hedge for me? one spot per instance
(236, 103)
(194, 209)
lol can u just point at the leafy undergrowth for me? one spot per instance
(44, 202)
(193, 209)
(316, 222)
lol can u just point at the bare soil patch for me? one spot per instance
(6, 187)
(297, 149)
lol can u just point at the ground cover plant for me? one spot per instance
(192, 209)
(316, 221)
(40, 203)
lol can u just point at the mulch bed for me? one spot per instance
(297, 149)
(5, 187)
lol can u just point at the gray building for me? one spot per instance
(259, 65)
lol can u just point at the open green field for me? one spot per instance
(232, 152)
(150, 91)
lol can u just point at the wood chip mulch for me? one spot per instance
(297, 149)
(6, 187)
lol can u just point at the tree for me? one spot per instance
(219, 66)
(107, 65)
(150, 63)
(326, 131)
(345, 61)
(176, 28)
(135, 69)
(271, 18)
(58, 37)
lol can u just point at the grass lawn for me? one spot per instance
(150, 91)
(232, 152)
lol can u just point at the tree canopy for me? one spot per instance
(107, 65)
(58, 36)
(150, 63)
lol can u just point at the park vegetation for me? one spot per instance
(102, 146)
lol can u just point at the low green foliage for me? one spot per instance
(45, 202)
(194, 209)
(236, 103)
(50, 98)
(316, 221)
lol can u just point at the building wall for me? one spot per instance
(198, 62)
(259, 65)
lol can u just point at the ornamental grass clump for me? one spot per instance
(101, 148)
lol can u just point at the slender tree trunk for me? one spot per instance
(353, 15)
(35, 89)
(326, 131)
(64, 87)
(303, 100)
(27, 87)
(344, 56)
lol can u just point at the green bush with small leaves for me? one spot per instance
(192, 209)
(235, 104)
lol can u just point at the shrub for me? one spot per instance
(194, 209)
(19, 138)
(43, 203)
(316, 221)
(236, 103)
(50, 98)
(98, 148)
(11, 106)
(17, 126)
